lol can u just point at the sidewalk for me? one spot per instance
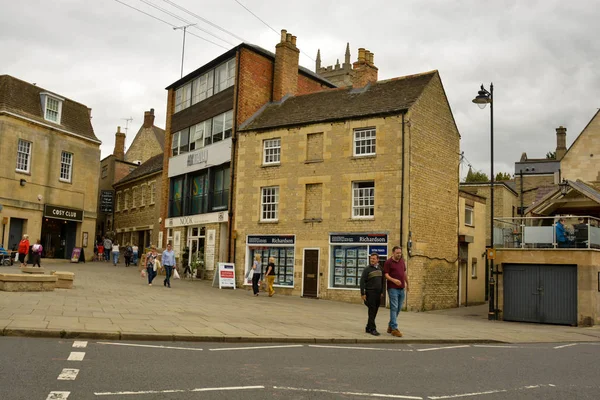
(113, 303)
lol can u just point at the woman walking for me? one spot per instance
(37, 253)
(270, 275)
(23, 250)
(115, 253)
(257, 270)
(128, 253)
(151, 259)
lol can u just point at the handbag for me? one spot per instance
(176, 274)
(143, 273)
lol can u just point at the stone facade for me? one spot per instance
(472, 271)
(582, 159)
(148, 141)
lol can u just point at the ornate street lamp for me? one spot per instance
(564, 187)
(482, 99)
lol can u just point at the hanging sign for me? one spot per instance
(226, 275)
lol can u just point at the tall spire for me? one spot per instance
(347, 59)
(318, 63)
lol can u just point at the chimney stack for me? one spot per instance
(285, 77)
(149, 118)
(119, 151)
(561, 142)
(364, 70)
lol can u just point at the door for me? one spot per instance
(193, 245)
(15, 233)
(540, 293)
(310, 278)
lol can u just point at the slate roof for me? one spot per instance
(152, 166)
(160, 136)
(23, 98)
(381, 98)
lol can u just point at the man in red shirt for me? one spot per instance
(394, 271)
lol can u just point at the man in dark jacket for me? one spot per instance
(371, 286)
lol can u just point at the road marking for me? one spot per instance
(566, 345)
(58, 395)
(258, 347)
(390, 396)
(68, 374)
(151, 346)
(357, 348)
(497, 346)
(214, 389)
(445, 348)
(79, 343)
(454, 396)
(76, 356)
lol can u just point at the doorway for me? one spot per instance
(195, 242)
(310, 275)
(15, 233)
(58, 238)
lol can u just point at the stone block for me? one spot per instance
(33, 270)
(65, 279)
(27, 283)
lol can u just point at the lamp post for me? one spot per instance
(484, 98)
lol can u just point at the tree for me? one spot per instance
(503, 176)
(476, 177)
(551, 155)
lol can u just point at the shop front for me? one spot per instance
(59, 231)
(281, 248)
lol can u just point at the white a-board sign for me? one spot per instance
(226, 275)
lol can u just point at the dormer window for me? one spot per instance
(52, 107)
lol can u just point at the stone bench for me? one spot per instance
(27, 283)
(65, 279)
(33, 270)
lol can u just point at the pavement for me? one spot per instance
(115, 303)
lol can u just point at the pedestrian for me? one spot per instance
(151, 266)
(23, 250)
(270, 275)
(107, 247)
(101, 250)
(127, 254)
(168, 261)
(135, 251)
(37, 253)
(394, 271)
(371, 286)
(115, 253)
(256, 272)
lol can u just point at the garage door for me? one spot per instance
(540, 293)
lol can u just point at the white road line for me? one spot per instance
(454, 396)
(76, 356)
(68, 374)
(566, 345)
(58, 395)
(445, 348)
(79, 343)
(258, 347)
(356, 348)
(151, 346)
(390, 396)
(215, 389)
(497, 346)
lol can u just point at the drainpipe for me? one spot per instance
(402, 183)
(233, 155)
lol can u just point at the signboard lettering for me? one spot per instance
(69, 214)
(226, 275)
(106, 201)
(366, 238)
(271, 239)
(198, 157)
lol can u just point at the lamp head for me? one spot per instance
(483, 98)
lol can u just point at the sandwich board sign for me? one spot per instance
(226, 275)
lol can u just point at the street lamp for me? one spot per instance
(482, 99)
(564, 187)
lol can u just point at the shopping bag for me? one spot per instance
(176, 274)
(143, 273)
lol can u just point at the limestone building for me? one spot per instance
(581, 161)
(48, 169)
(326, 178)
(204, 109)
(357, 74)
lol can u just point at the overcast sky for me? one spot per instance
(542, 56)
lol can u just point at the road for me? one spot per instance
(70, 369)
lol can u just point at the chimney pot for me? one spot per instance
(283, 35)
(288, 37)
(118, 129)
(361, 54)
(294, 40)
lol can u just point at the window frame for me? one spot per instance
(69, 179)
(356, 187)
(143, 188)
(182, 91)
(364, 143)
(126, 200)
(48, 99)
(119, 195)
(133, 193)
(470, 211)
(152, 192)
(272, 151)
(27, 155)
(269, 215)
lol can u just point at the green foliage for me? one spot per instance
(551, 155)
(503, 176)
(476, 177)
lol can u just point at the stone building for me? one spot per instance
(326, 178)
(581, 160)
(204, 109)
(50, 158)
(148, 142)
(357, 74)
(137, 206)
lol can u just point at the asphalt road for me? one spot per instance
(42, 369)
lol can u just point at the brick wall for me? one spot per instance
(164, 185)
(309, 85)
(255, 83)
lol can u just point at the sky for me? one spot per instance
(543, 57)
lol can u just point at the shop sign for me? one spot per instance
(365, 238)
(69, 214)
(106, 201)
(219, 153)
(226, 275)
(271, 239)
(198, 219)
(379, 250)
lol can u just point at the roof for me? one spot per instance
(152, 166)
(537, 166)
(581, 133)
(23, 98)
(543, 202)
(231, 53)
(506, 184)
(160, 136)
(387, 97)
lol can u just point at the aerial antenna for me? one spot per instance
(184, 27)
(127, 123)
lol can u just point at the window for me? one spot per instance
(269, 203)
(181, 143)
(23, 156)
(126, 200)
(197, 134)
(199, 193)
(183, 96)
(119, 201)
(143, 195)
(51, 107)
(348, 263)
(220, 129)
(202, 87)
(364, 142)
(104, 171)
(469, 216)
(474, 269)
(152, 192)
(66, 166)
(133, 195)
(207, 84)
(176, 206)
(224, 75)
(284, 262)
(271, 151)
(220, 189)
(363, 199)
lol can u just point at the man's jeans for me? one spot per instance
(168, 272)
(396, 297)
(106, 254)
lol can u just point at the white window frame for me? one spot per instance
(133, 193)
(66, 167)
(363, 200)
(24, 156)
(365, 142)
(272, 151)
(269, 203)
(143, 189)
(469, 212)
(52, 104)
(125, 199)
(119, 194)
(183, 97)
(224, 75)
(152, 186)
(203, 87)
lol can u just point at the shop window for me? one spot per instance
(269, 203)
(176, 202)
(364, 142)
(271, 151)
(199, 194)
(469, 216)
(348, 263)
(284, 263)
(220, 194)
(363, 199)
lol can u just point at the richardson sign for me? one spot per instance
(366, 238)
(69, 214)
(270, 239)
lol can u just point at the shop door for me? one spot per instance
(193, 245)
(70, 235)
(311, 273)
(15, 233)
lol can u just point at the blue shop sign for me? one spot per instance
(380, 250)
(271, 239)
(364, 238)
